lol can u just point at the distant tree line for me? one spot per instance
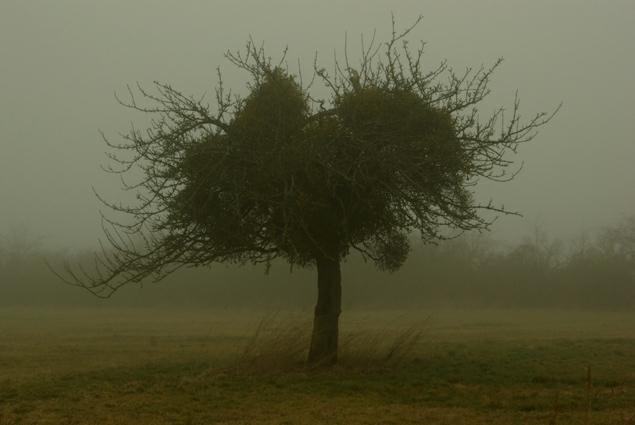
(538, 272)
(472, 271)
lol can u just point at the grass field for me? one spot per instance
(397, 367)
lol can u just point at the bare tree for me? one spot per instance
(395, 149)
(619, 240)
(18, 245)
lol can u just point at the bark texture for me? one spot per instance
(325, 335)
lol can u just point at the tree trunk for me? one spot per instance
(324, 339)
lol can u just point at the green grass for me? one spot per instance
(477, 367)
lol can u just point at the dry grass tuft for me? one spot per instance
(277, 345)
(281, 345)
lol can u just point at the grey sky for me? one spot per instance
(61, 61)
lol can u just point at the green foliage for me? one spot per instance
(273, 113)
(301, 187)
(408, 153)
(393, 151)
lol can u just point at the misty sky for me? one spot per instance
(61, 61)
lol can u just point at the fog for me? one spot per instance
(532, 322)
(62, 61)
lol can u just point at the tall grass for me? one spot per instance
(281, 345)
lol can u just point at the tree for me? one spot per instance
(619, 240)
(18, 246)
(281, 174)
(617, 243)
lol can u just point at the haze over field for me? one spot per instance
(61, 61)
(532, 323)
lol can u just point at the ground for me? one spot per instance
(114, 366)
